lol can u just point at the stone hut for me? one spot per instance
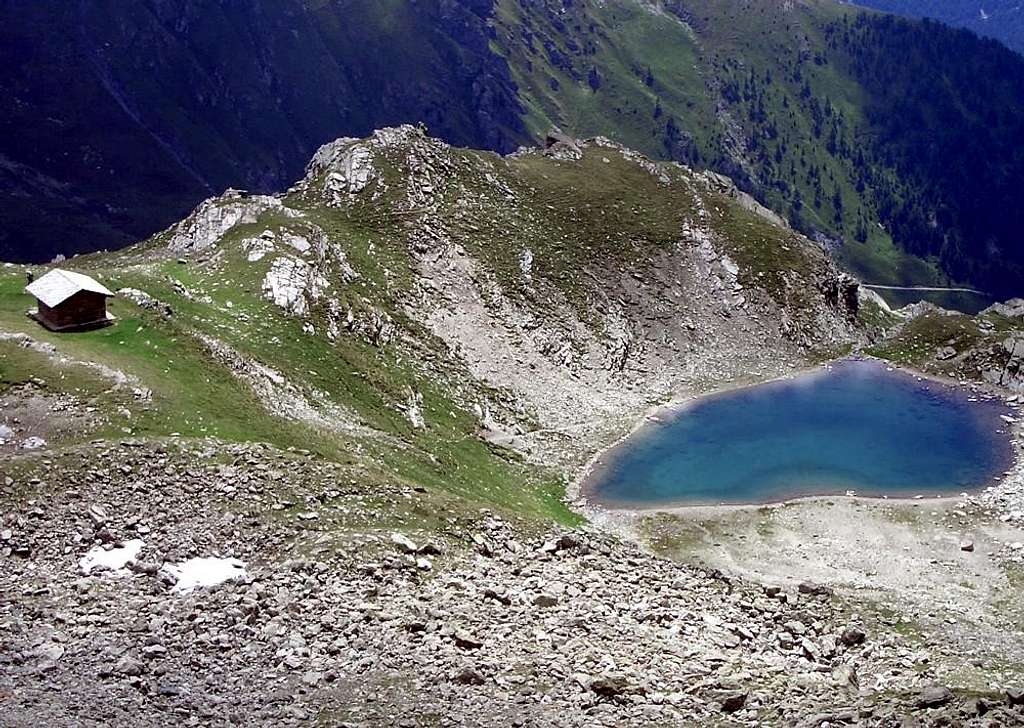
(70, 301)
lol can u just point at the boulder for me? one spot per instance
(981, 706)
(557, 136)
(129, 666)
(853, 636)
(817, 590)
(466, 641)
(613, 686)
(561, 146)
(845, 676)
(545, 600)
(403, 543)
(469, 676)
(934, 697)
(498, 594)
(733, 701)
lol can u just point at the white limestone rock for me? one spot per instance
(368, 322)
(217, 215)
(297, 242)
(413, 409)
(258, 248)
(526, 264)
(348, 164)
(292, 283)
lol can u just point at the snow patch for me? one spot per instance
(115, 559)
(205, 572)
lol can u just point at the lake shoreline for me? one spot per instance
(581, 496)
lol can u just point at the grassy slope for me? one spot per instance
(654, 67)
(600, 208)
(613, 35)
(957, 346)
(195, 396)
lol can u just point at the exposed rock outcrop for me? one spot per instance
(293, 284)
(144, 300)
(217, 215)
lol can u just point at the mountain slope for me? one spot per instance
(116, 120)
(795, 101)
(371, 391)
(415, 294)
(811, 107)
(368, 394)
(999, 19)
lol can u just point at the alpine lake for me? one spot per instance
(854, 427)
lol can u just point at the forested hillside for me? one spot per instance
(999, 19)
(116, 119)
(941, 164)
(895, 143)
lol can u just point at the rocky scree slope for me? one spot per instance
(368, 392)
(484, 625)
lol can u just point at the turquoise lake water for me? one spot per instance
(854, 426)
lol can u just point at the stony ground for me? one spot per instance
(369, 622)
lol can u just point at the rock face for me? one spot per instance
(347, 166)
(212, 219)
(1008, 368)
(1013, 308)
(293, 284)
(561, 146)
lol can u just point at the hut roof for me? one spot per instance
(59, 285)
